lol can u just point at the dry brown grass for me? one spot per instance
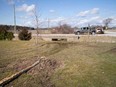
(83, 63)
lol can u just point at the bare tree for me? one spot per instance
(107, 22)
(36, 17)
(63, 28)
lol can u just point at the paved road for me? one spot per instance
(107, 33)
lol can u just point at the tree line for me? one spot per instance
(18, 28)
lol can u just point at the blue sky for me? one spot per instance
(73, 12)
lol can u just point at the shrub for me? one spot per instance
(24, 35)
(63, 29)
(2, 36)
(9, 36)
(3, 33)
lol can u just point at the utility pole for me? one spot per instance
(48, 23)
(14, 18)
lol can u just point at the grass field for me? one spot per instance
(82, 64)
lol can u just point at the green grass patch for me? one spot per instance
(82, 64)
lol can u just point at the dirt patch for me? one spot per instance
(20, 64)
(46, 64)
(44, 72)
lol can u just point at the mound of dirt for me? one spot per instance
(44, 71)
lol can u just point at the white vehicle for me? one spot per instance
(99, 30)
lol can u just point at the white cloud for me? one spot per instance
(23, 17)
(88, 12)
(113, 17)
(28, 23)
(94, 18)
(57, 19)
(73, 21)
(26, 8)
(83, 21)
(83, 13)
(93, 21)
(95, 11)
(51, 10)
(113, 23)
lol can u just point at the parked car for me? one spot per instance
(89, 30)
(99, 30)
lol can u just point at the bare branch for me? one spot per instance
(107, 22)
